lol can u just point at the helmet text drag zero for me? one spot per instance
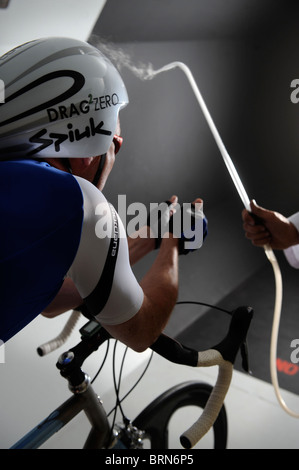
(62, 99)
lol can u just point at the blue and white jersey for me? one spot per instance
(56, 225)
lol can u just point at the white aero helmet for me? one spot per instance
(62, 99)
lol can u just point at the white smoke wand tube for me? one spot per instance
(227, 160)
(245, 199)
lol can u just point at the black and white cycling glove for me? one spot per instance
(186, 222)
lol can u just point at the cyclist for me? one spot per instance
(274, 229)
(59, 134)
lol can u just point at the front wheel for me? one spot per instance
(156, 417)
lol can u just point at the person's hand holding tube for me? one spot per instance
(269, 228)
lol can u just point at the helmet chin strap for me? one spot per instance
(99, 170)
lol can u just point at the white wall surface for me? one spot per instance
(31, 386)
(25, 20)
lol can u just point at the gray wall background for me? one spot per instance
(169, 148)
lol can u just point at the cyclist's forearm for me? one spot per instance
(160, 286)
(140, 244)
(160, 283)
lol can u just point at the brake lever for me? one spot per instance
(245, 357)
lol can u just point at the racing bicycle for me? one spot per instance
(152, 424)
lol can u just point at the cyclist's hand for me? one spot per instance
(187, 223)
(159, 219)
(271, 228)
(194, 227)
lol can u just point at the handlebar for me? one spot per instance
(222, 355)
(55, 343)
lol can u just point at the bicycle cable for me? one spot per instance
(117, 386)
(103, 362)
(140, 378)
(117, 389)
(195, 302)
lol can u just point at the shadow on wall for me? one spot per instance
(169, 148)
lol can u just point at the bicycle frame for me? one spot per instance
(86, 401)
(84, 397)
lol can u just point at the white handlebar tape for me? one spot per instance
(211, 411)
(55, 343)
